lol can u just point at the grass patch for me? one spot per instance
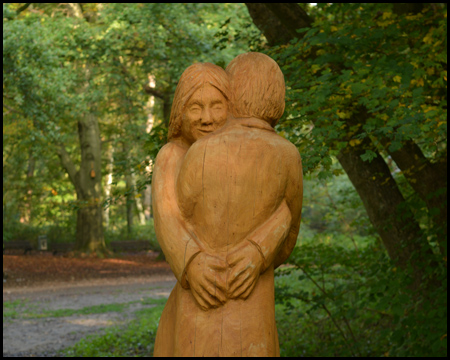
(10, 309)
(16, 310)
(136, 339)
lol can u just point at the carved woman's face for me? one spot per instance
(205, 112)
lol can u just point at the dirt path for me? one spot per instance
(26, 335)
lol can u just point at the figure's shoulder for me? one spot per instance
(170, 152)
(288, 149)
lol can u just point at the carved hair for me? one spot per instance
(257, 87)
(192, 79)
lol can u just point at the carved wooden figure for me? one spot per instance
(227, 211)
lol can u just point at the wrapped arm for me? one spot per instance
(178, 242)
(270, 236)
(294, 200)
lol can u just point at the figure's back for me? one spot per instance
(232, 181)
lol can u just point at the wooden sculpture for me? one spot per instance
(227, 211)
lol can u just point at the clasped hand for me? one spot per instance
(213, 281)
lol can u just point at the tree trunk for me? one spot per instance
(384, 203)
(148, 168)
(89, 229)
(30, 175)
(109, 179)
(88, 186)
(167, 106)
(89, 220)
(137, 201)
(428, 180)
(129, 205)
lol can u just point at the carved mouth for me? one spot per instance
(205, 131)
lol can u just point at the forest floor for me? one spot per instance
(51, 302)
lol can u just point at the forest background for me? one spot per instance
(87, 91)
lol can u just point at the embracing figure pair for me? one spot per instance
(227, 197)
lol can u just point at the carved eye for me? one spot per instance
(195, 108)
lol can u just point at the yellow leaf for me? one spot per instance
(342, 115)
(334, 28)
(355, 142)
(397, 78)
(138, 196)
(430, 71)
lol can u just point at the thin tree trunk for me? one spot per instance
(109, 179)
(137, 201)
(130, 192)
(30, 175)
(148, 168)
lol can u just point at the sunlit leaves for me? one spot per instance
(365, 55)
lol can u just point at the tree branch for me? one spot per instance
(23, 8)
(151, 91)
(292, 16)
(69, 166)
(10, 109)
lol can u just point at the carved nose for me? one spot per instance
(206, 118)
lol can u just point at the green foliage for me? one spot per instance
(342, 297)
(335, 301)
(136, 340)
(139, 232)
(393, 66)
(63, 233)
(58, 67)
(362, 58)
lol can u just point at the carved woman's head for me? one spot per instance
(257, 87)
(200, 105)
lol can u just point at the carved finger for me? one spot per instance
(203, 304)
(247, 292)
(243, 287)
(239, 280)
(217, 281)
(234, 258)
(216, 264)
(208, 295)
(212, 289)
(235, 275)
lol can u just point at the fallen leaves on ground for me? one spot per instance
(26, 270)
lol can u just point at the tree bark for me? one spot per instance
(88, 186)
(89, 221)
(428, 180)
(379, 192)
(129, 205)
(272, 28)
(385, 205)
